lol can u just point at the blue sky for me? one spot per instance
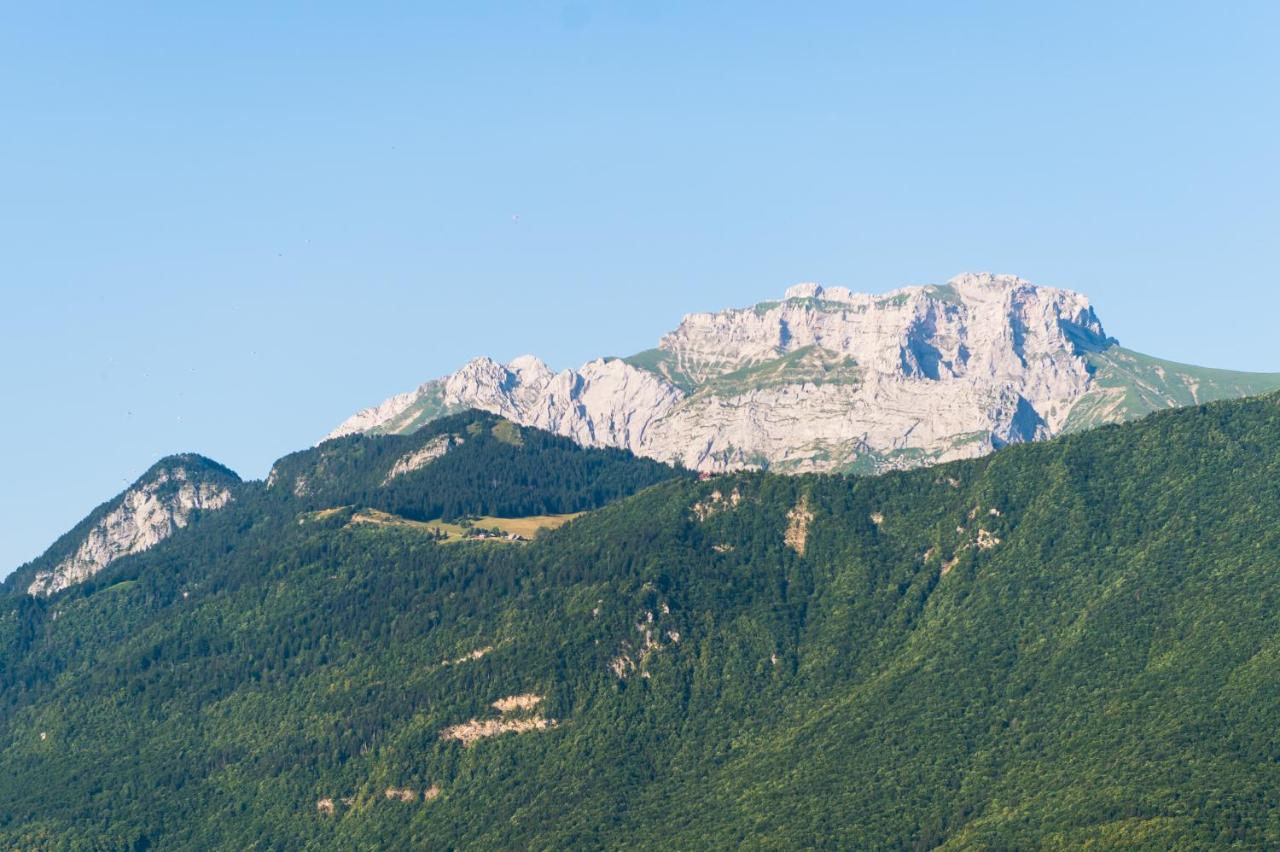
(224, 227)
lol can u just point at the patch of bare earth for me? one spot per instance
(716, 502)
(478, 729)
(986, 540)
(798, 520)
(328, 806)
(513, 703)
(982, 540)
(470, 657)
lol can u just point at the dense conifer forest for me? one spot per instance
(1061, 644)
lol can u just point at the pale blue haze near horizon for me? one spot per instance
(225, 227)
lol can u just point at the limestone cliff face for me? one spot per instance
(822, 379)
(165, 499)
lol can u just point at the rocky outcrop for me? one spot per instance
(603, 404)
(420, 458)
(798, 520)
(516, 703)
(476, 729)
(828, 379)
(164, 500)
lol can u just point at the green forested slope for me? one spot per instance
(1061, 644)
(491, 467)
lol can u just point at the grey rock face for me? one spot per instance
(420, 458)
(823, 379)
(147, 513)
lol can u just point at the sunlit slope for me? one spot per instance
(1061, 643)
(1128, 385)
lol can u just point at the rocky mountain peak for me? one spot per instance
(831, 379)
(804, 291)
(164, 499)
(530, 369)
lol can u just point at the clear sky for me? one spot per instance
(226, 226)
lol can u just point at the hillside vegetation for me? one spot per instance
(1062, 644)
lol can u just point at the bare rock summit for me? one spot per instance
(827, 379)
(165, 499)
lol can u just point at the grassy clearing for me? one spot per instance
(373, 517)
(526, 527)
(321, 514)
(508, 433)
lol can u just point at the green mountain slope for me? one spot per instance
(1128, 385)
(1061, 644)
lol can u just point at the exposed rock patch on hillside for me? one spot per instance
(420, 458)
(512, 722)
(798, 520)
(477, 729)
(515, 703)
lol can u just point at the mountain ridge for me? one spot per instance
(826, 379)
(392, 473)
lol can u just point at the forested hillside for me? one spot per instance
(1060, 644)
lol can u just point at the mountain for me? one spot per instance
(466, 464)
(1063, 644)
(830, 380)
(170, 495)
